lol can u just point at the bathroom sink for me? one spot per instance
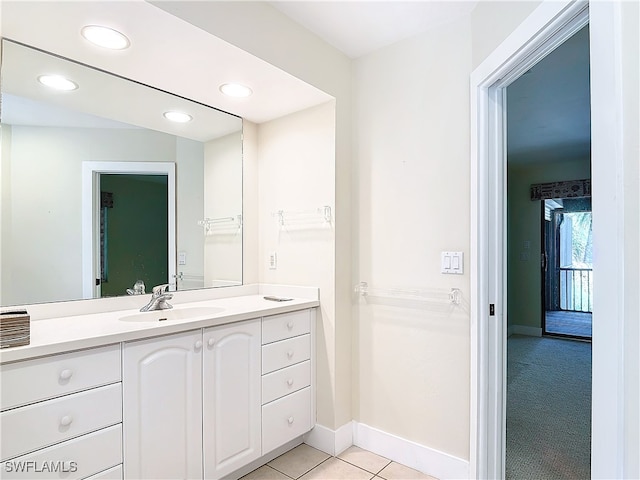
(187, 313)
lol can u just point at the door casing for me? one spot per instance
(546, 28)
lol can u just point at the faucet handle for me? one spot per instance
(159, 289)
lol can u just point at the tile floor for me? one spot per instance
(307, 463)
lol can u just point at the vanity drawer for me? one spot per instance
(285, 381)
(48, 377)
(29, 428)
(285, 353)
(115, 473)
(286, 325)
(82, 456)
(285, 419)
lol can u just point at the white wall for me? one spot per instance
(493, 21)
(250, 229)
(222, 199)
(411, 363)
(616, 327)
(263, 31)
(190, 209)
(42, 206)
(296, 173)
(630, 34)
(5, 198)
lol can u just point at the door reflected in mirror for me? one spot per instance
(125, 203)
(54, 244)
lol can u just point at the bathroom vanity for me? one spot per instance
(200, 391)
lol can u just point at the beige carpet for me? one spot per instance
(548, 408)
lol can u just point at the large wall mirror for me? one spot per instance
(99, 189)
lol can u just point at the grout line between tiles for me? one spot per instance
(272, 468)
(362, 468)
(304, 473)
(315, 467)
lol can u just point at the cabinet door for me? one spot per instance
(232, 407)
(162, 390)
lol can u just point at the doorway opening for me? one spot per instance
(129, 255)
(133, 232)
(567, 268)
(548, 150)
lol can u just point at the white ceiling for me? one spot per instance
(360, 27)
(548, 108)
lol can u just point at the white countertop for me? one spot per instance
(66, 333)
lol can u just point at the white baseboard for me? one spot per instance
(427, 460)
(344, 437)
(333, 442)
(524, 330)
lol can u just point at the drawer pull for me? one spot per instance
(198, 344)
(290, 381)
(290, 420)
(66, 374)
(211, 342)
(290, 353)
(66, 421)
(290, 325)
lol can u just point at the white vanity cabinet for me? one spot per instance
(162, 387)
(206, 402)
(231, 396)
(62, 415)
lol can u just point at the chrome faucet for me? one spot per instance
(159, 297)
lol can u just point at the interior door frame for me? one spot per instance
(548, 26)
(91, 215)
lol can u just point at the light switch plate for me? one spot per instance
(273, 261)
(452, 263)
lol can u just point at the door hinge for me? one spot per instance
(492, 309)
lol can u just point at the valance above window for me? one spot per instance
(568, 189)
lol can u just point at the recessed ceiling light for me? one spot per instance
(105, 37)
(57, 82)
(179, 117)
(235, 90)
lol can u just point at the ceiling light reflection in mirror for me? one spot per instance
(107, 119)
(58, 82)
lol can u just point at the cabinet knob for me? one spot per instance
(290, 420)
(290, 381)
(211, 342)
(290, 353)
(290, 325)
(66, 374)
(198, 344)
(66, 421)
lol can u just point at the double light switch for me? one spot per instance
(452, 262)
